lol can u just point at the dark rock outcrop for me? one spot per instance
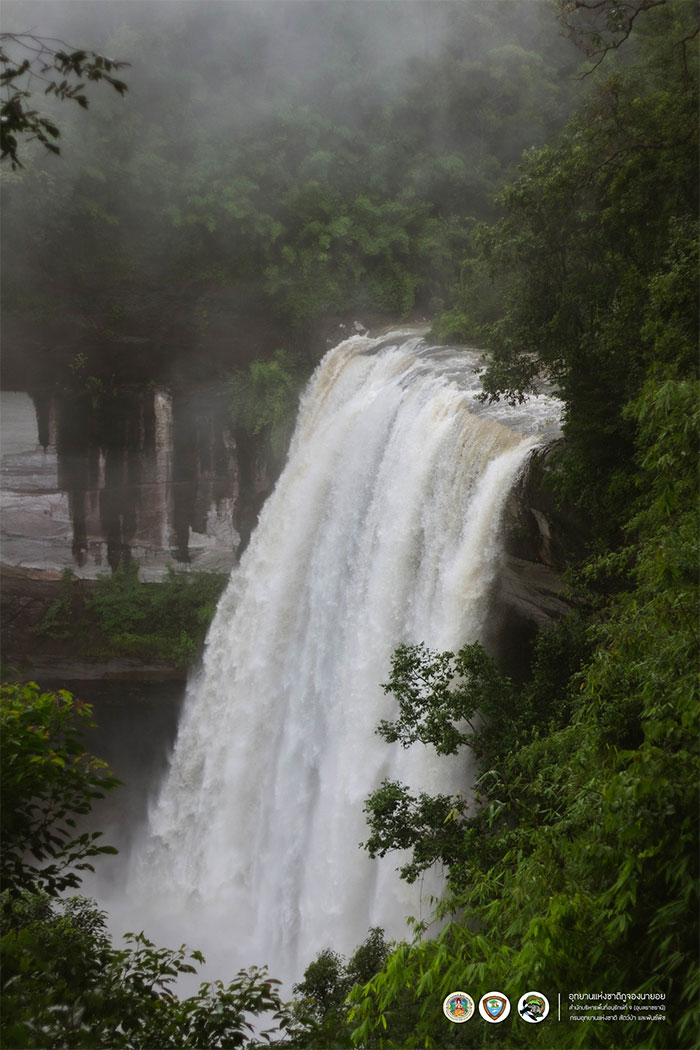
(542, 538)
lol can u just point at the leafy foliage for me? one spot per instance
(57, 620)
(439, 692)
(595, 258)
(583, 860)
(26, 58)
(168, 620)
(265, 399)
(65, 984)
(120, 602)
(450, 701)
(321, 996)
(599, 27)
(47, 779)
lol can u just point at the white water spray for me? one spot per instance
(383, 528)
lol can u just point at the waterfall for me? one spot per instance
(383, 528)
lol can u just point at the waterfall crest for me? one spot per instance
(383, 528)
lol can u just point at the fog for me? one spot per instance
(247, 126)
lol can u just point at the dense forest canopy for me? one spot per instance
(442, 159)
(307, 159)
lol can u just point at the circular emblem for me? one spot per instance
(494, 1007)
(533, 1007)
(458, 1007)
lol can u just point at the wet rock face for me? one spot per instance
(537, 528)
(144, 473)
(541, 538)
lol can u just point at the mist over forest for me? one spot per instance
(279, 162)
(350, 408)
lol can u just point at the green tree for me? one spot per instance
(599, 27)
(349, 184)
(321, 997)
(47, 780)
(452, 701)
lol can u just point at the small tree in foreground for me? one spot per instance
(65, 984)
(47, 780)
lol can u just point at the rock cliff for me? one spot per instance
(541, 539)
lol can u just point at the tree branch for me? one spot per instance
(581, 20)
(18, 121)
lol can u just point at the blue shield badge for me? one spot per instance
(495, 1004)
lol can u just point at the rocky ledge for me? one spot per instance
(541, 539)
(30, 653)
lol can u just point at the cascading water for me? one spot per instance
(383, 528)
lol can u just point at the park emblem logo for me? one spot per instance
(458, 1007)
(494, 1007)
(533, 1007)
